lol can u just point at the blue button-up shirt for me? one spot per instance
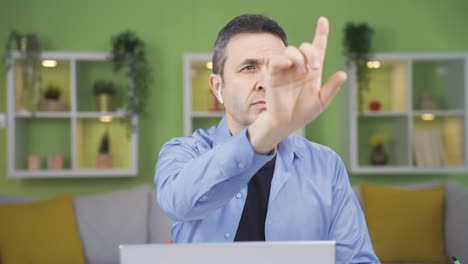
(202, 183)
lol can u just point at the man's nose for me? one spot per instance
(260, 85)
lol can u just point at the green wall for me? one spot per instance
(172, 28)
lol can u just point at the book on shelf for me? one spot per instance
(428, 148)
(453, 140)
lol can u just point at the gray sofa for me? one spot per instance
(105, 221)
(132, 216)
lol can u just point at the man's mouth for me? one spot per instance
(259, 102)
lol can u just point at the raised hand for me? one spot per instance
(294, 94)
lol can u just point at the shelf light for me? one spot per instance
(49, 63)
(209, 65)
(427, 117)
(373, 64)
(105, 119)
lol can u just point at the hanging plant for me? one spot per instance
(30, 64)
(358, 48)
(128, 53)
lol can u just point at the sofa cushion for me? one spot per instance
(160, 224)
(456, 219)
(406, 186)
(108, 220)
(405, 225)
(40, 232)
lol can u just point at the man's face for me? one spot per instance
(243, 86)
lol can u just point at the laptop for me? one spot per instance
(291, 252)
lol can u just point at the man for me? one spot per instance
(248, 178)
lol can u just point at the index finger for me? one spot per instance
(321, 37)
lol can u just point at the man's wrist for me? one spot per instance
(264, 136)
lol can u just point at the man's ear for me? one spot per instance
(216, 84)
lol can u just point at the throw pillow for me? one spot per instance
(405, 225)
(42, 232)
(406, 186)
(108, 220)
(456, 219)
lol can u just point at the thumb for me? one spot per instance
(331, 88)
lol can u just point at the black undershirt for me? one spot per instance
(252, 222)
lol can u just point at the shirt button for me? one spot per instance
(241, 165)
(227, 235)
(238, 196)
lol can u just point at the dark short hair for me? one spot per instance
(248, 23)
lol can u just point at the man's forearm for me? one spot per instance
(191, 185)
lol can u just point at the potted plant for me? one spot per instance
(378, 155)
(358, 47)
(128, 53)
(104, 91)
(104, 157)
(30, 64)
(51, 99)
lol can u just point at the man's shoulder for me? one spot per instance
(199, 138)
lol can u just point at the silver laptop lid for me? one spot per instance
(300, 252)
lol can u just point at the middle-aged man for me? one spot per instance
(248, 178)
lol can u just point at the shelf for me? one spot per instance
(38, 136)
(423, 110)
(42, 114)
(442, 113)
(439, 141)
(438, 84)
(387, 86)
(42, 137)
(383, 114)
(88, 73)
(201, 108)
(120, 114)
(89, 134)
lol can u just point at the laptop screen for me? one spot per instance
(291, 252)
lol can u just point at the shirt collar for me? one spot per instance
(288, 148)
(221, 132)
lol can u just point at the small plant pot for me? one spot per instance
(49, 105)
(34, 162)
(104, 103)
(379, 156)
(55, 161)
(104, 161)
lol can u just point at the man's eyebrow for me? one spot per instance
(250, 62)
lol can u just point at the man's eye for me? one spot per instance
(248, 68)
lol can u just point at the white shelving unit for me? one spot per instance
(399, 85)
(199, 101)
(76, 128)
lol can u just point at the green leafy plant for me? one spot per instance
(358, 49)
(104, 87)
(52, 92)
(128, 53)
(28, 45)
(104, 146)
